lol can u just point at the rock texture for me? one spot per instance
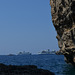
(63, 17)
(22, 70)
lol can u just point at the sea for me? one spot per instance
(52, 62)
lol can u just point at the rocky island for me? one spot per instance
(63, 17)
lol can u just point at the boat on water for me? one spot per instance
(24, 53)
(11, 54)
(47, 52)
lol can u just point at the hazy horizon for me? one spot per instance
(26, 25)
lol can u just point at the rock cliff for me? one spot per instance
(63, 17)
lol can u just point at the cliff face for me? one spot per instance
(63, 17)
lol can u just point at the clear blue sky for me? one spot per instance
(26, 25)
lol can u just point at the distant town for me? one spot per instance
(47, 52)
(39, 53)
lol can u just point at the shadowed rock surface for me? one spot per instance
(63, 17)
(22, 70)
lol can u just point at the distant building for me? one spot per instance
(47, 52)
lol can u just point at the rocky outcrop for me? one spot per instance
(63, 17)
(22, 70)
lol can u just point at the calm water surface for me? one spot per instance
(54, 63)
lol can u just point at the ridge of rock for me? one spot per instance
(22, 70)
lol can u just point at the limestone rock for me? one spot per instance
(63, 17)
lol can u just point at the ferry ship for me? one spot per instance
(24, 53)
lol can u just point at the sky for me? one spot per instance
(26, 25)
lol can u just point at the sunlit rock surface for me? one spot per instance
(63, 17)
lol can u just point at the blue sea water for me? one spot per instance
(54, 63)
